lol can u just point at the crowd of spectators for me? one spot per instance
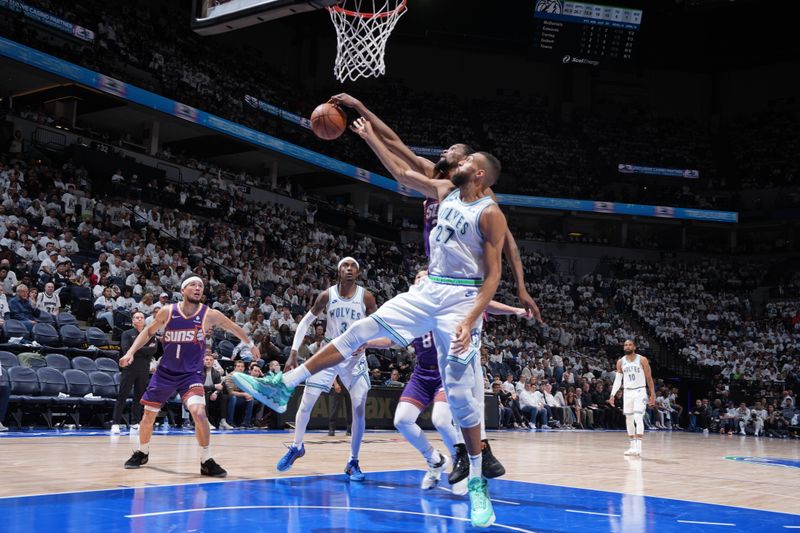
(545, 155)
(61, 246)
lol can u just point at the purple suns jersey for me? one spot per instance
(425, 351)
(184, 341)
(431, 214)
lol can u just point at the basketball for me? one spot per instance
(328, 121)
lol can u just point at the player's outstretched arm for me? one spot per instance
(399, 169)
(302, 328)
(493, 227)
(511, 253)
(385, 133)
(159, 321)
(215, 318)
(497, 308)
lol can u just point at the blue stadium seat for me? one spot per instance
(225, 349)
(15, 328)
(24, 382)
(52, 383)
(103, 385)
(84, 364)
(96, 337)
(63, 319)
(78, 383)
(106, 364)
(71, 336)
(46, 335)
(8, 359)
(24, 391)
(46, 318)
(58, 361)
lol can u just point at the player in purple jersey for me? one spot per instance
(186, 326)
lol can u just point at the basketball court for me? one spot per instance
(555, 481)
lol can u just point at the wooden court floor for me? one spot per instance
(674, 464)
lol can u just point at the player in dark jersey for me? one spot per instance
(186, 326)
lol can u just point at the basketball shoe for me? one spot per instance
(139, 458)
(434, 473)
(481, 513)
(291, 455)
(268, 390)
(353, 471)
(632, 449)
(491, 467)
(211, 468)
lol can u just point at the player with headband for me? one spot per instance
(342, 304)
(186, 326)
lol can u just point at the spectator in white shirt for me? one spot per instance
(104, 306)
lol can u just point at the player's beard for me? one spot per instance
(460, 178)
(443, 166)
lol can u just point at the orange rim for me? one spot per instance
(349, 13)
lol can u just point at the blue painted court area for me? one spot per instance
(387, 501)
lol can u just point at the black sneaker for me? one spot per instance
(211, 468)
(348, 432)
(461, 467)
(492, 468)
(139, 458)
(331, 432)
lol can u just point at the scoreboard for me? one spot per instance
(586, 34)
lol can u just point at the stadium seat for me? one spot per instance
(106, 364)
(63, 319)
(24, 389)
(15, 328)
(84, 364)
(78, 383)
(58, 361)
(71, 336)
(8, 359)
(46, 318)
(103, 385)
(96, 337)
(46, 335)
(225, 349)
(52, 383)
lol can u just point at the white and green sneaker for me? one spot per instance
(480, 506)
(269, 390)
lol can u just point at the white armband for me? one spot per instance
(302, 330)
(617, 384)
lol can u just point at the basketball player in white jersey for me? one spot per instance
(633, 371)
(48, 300)
(425, 387)
(343, 304)
(463, 275)
(444, 169)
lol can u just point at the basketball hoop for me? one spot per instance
(361, 36)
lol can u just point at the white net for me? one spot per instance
(362, 29)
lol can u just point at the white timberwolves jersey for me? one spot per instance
(47, 303)
(456, 243)
(633, 373)
(342, 312)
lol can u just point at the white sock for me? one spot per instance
(297, 376)
(476, 465)
(205, 453)
(144, 448)
(432, 456)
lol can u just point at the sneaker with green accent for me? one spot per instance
(269, 390)
(480, 506)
